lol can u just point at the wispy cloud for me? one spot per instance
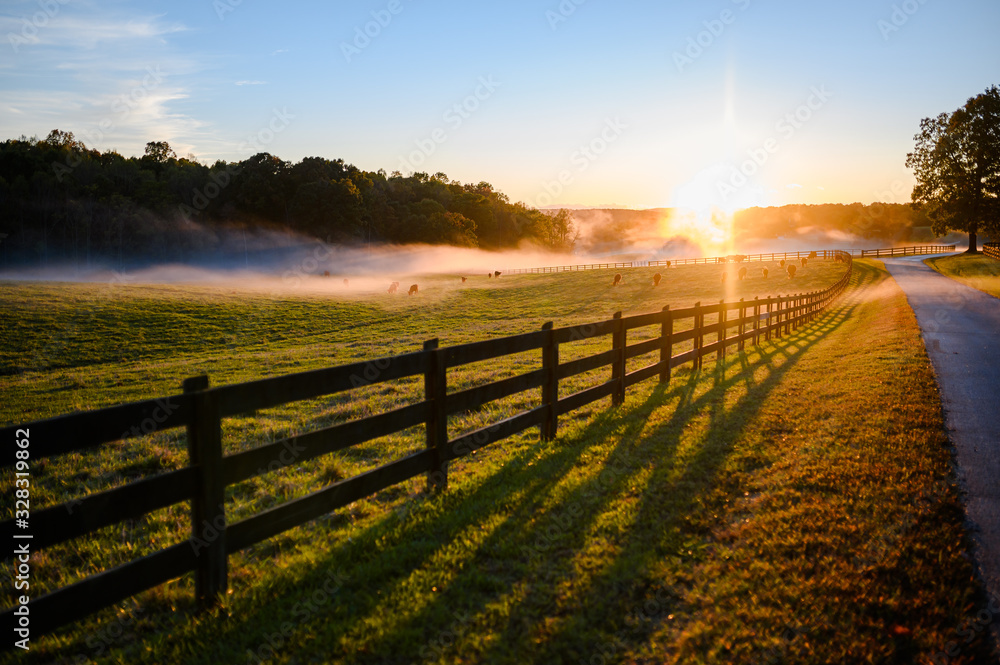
(793, 185)
(280, 50)
(251, 83)
(115, 80)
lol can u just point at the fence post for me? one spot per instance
(756, 320)
(435, 392)
(788, 316)
(618, 364)
(721, 336)
(208, 505)
(698, 339)
(550, 384)
(767, 328)
(774, 320)
(666, 343)
(743, 326)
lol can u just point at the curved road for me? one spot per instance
(961, 328)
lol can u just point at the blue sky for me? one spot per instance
(728, 103)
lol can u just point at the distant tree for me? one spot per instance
(160, 151)
(63, 139)
(957, 166)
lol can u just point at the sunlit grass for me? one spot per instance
(793, 503)
(976, 270)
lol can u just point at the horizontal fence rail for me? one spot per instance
(769, 256)
(992, 250)
(908, 251)
(201, 409)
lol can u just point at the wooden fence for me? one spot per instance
(992, 250)
(770, 256)
(201, 409)
(908, 251)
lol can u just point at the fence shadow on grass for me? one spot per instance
(536, 536)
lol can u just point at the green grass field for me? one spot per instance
(794, 503)
(976, 270)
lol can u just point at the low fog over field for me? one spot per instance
(266, 258)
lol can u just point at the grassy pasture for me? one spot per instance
(793, 502)
(976, 270)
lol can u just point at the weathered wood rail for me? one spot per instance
(992, 250)
(201, 409)
(770, 256)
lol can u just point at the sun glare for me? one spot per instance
(704, 210)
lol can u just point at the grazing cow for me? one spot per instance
(763, 271)
(791, 270)
(667, 264)
(618, 279)
(413, 289)
(326, 273)
(346, 282)
(490, 275)
(812, 255)
(803, 263)
(463, 279)
(743, 273)
(656, 279)
(781, 263)
(497, 273)
(393, 287)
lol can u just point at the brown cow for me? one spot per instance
(656, 279)
(463, 279)
(326, 273)
(791, 270)
(413, 289)
(803, 263)
(497, 273)
(667, 264)
(781, 263)
(393, 287)
(618, 279)
(743, 273)
(812, 255)
(763, 271)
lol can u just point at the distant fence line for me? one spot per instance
(201, 409)
(992, 250)
(770, 256)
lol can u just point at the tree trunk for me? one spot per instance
(973, 244)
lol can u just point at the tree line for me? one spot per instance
(64, 202)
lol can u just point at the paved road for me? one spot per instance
(961, 328)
